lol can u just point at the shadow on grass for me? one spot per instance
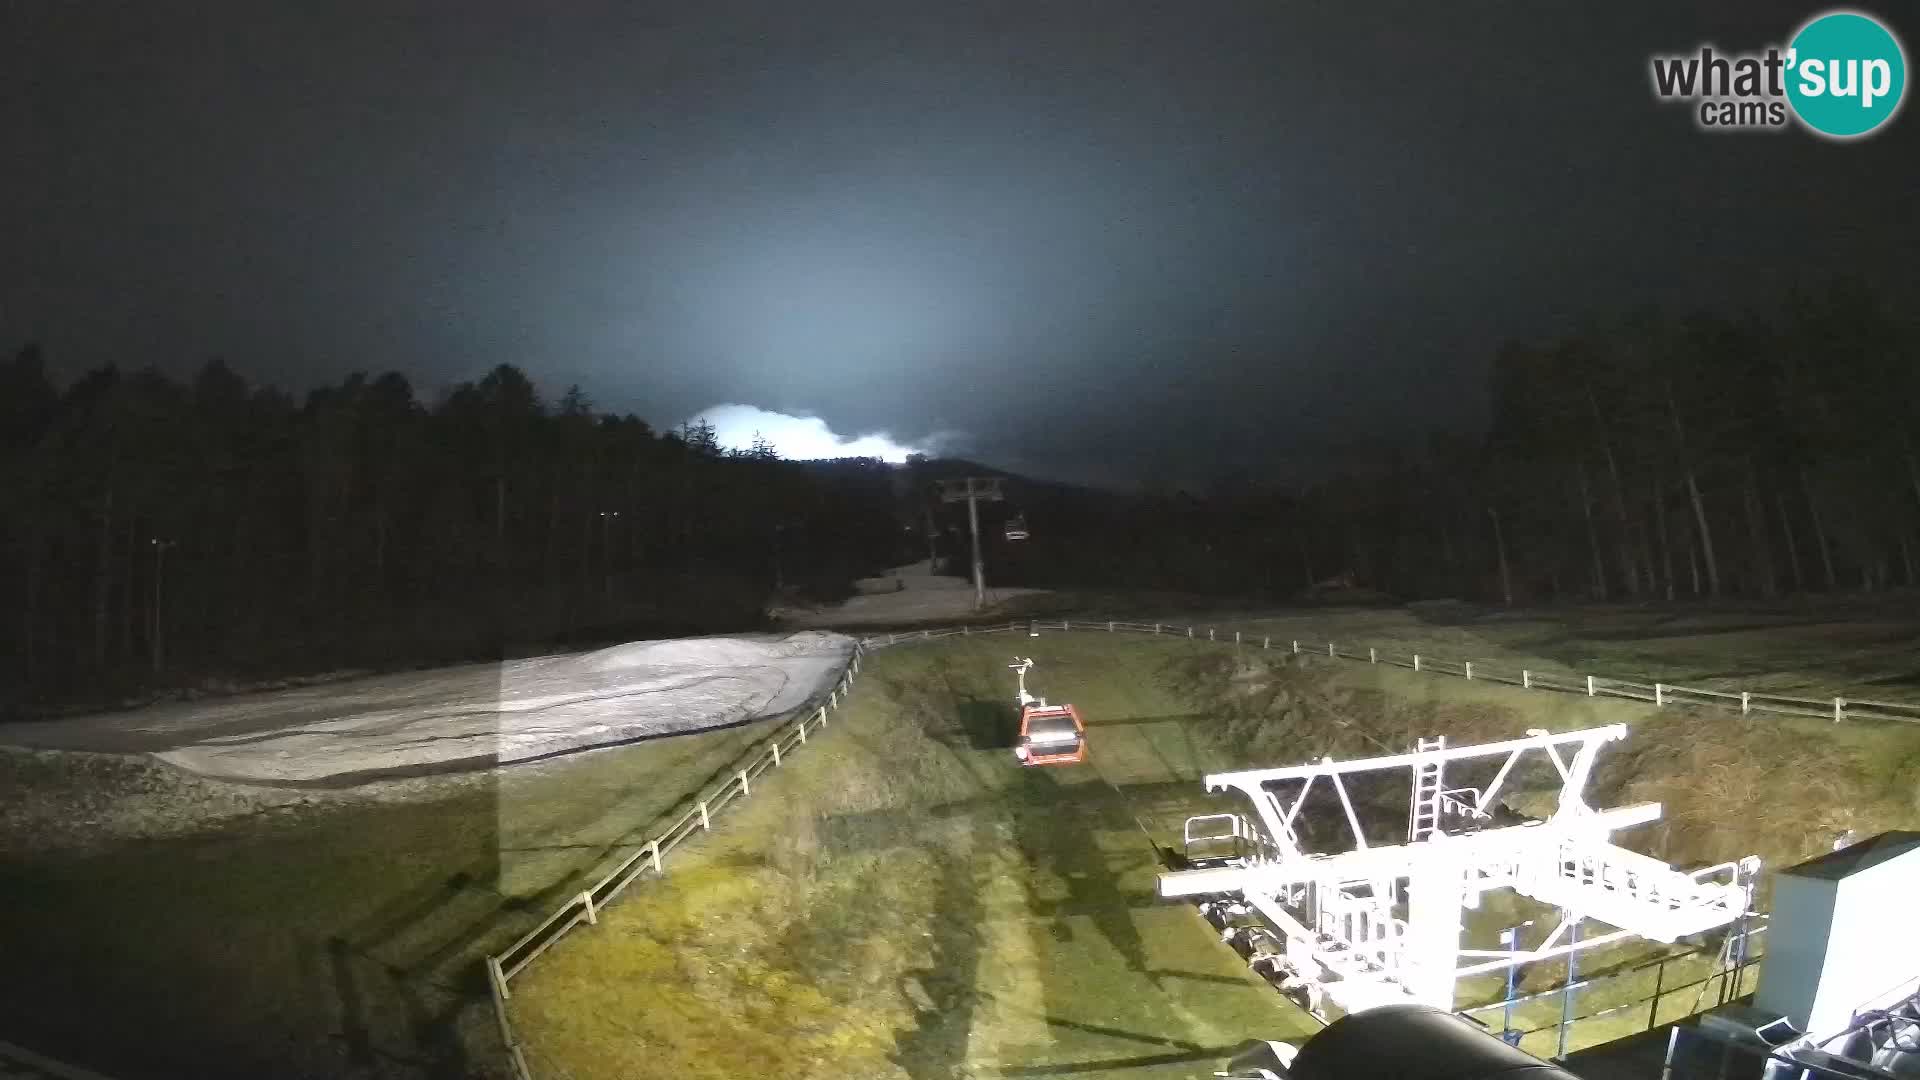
(1054, 825)
(245, 954)
(1142, 721)
(985, 725)
(342, 941)
(936, 1047)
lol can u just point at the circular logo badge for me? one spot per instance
(1846, 75)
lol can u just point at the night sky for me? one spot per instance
(1105, 241)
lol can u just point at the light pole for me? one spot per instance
(779, 551)
(933, 556)
(155, 625)
(607, 520)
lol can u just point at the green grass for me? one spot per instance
(1781, 787)
(1815, 652)
(953, 915)
(903, 900)
(333, 939)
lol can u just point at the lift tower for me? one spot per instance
(971, 490)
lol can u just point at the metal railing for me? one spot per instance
(1661, 695)
(1726, 978)
(584, 908)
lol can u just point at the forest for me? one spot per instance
(1651, 459)
(167, 535)
(163, 534)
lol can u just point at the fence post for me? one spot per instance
(1839, 708)
(776, 753)
(1469, 665)
(1236, 637)
(498, 977)
(1659, 695)
(1296, 646)
(657, 868)
(1746, 702)
(706, 821)
(744, 789)
(1209, 633)
(834, 697)
(1109, 626)
(1065, 625)
(889, 639)
(1373, 655)
(1267, 642)
(1589, 686)
(822, 717)
(1526, 679)
(1189, 631)
(803, 731)
(1329, 648)
(1156, 628)
(1416, 661)
(593, 917)
(966, 631)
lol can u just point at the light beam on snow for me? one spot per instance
(797, 438)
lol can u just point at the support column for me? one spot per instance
(1434, 893)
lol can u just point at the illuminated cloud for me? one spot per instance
(798, 438)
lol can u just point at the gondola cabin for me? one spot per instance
(1051, 735)
(1016, 527)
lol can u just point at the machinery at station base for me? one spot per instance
(1839, 999)
(1049, 734)
(1839, 992)
(1371, 926)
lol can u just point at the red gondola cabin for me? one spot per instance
(1051, 735)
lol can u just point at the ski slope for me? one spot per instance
(470, 717)
(905, 595)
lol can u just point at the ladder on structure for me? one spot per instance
(1423, 818)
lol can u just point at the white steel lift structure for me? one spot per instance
(1381, 925)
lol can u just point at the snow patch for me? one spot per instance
(905, 594)
(476, 716)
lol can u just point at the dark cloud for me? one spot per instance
(1103, 240)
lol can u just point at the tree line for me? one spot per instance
(161, 530)
(1708, 456)
(157, 530)
(1655, 458)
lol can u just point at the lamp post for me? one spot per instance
(155, 625)
(607, 520)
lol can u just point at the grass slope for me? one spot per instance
(907, 902)
(1867, 651)
(297, 935)
(1782, 788)
(903, 900)
(904, 877)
